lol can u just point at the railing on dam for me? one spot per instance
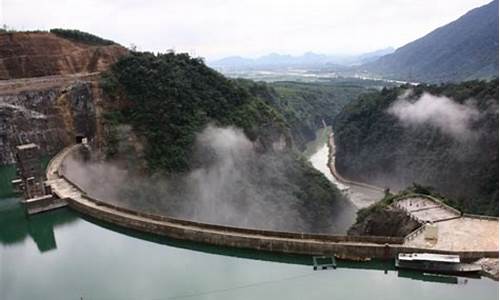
(342, 246)
(251, 231)
(238, 230)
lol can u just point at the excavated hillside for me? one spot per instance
(49, 90)
(35, 54)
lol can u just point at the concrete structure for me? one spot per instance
(29, 170)
(431, 232)
(31, 182)
(427, 209)
(353, 247)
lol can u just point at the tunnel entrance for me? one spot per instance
(79, 139)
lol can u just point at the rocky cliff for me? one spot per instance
(386, 221)
(33, 54)
(49, 90)
(51, 117)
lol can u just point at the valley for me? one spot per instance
(366, 175)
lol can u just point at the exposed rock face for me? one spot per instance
(62, 103)
(490, 267)
(385, 222)
(51, 118)
(24, 54)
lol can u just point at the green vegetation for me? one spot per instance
(321, 139)
(374, 146)
(80, 36)
(464, 49)
(172, 97)
(169, 98)
(389, 198)
(381, 218)
(307, 106)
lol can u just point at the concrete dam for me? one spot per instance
(422, 208)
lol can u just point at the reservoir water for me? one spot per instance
(64, 255)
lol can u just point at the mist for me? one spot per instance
(450, 117)
(233, 184)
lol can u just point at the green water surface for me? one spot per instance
(62, 255)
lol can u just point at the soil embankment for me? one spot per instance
(36, 54)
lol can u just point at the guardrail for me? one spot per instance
(240, 230)
(410, 236)
(285, 242)
(251, 231)
(489, 218)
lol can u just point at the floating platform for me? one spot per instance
(324, 262)
(437, 263)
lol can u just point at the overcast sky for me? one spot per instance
(217, 28)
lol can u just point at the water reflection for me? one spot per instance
(16, 225)
(93, 259)
(384, 266)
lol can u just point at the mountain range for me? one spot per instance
(308, 59)
(464, 49)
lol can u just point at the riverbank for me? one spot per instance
(361, 194)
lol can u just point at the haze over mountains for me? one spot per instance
(464, 49)
(309, 59)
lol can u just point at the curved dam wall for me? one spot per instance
(342, 246)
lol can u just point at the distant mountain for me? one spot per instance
(372, 56)
(466, 48)
(308, 59)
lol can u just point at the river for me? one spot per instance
(318, 152)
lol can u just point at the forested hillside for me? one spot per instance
(173, 96)
(442, 136)
(308, 106)
(464, 49)
(169, 99)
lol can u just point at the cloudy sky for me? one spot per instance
(218, 28)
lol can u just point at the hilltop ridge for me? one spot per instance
(35, 54)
